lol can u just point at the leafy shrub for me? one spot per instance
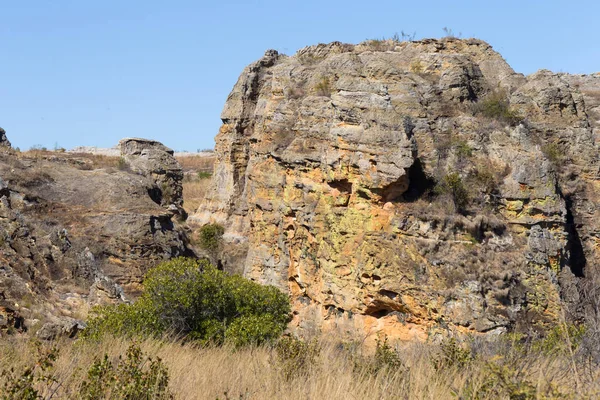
(122, 164)
(296, 356)
(34, 381)
(496, 106)
(463, 150)
(324, 87)
(453, 185)
(204, 175)
(384, 359)
(134, 378)
(452, 355)
(386, 356)
(209, 237)
(553, 153)
(195, 300)
(558, 339)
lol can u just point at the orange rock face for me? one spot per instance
(409, 189)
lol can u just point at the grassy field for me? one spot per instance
(500, 369)
(197, 180)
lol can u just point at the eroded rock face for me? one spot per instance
(156, 160)
(72, 237)
(3, 139)
(338, 174)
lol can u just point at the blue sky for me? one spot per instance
(87, 72)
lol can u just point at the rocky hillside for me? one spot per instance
(411, 188)
(77, 231)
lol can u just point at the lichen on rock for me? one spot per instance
(332, 182)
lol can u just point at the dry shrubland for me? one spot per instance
(197, 180)
(500, 369)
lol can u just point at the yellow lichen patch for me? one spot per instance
(514, 205)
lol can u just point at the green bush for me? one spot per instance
(463, 150)
(558, 339)
(210, 237)
(122, 164)
(385, 359)
(296, 356)
(553, 153)
(452, 354)
(134, 378)
(195, 300)
(496, 106)
(453, 185)
(324, 87)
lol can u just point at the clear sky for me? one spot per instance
(88, 72)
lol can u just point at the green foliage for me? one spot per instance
(135, 377)
(460, 146)
(385, 359)
(209, 237)
(296, 356)
(122, 164)
(558, 339)
(167, 193)
(204, 175)
(324, 87)
(453, 185)
(195, 300)
(504, 380)
(463, 150)
(486, 178)
(553, 153)
(452, 354)
(30, 383)
(496, 106)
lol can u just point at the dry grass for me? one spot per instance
(194, 193)
(258, 373)
(197, 163)
(80, 160)
(197, 180)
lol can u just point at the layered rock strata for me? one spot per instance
(72, 236)
(410, 188)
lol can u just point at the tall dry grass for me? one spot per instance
(197, 171)
(199, 163)
(497, 371)
(194, 192)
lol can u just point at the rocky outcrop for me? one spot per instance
(410, 188)
(72, 237)
(3, 139)
(154, 159)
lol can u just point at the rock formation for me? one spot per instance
(72, 236)
(410, 188)
(152, 158)
(3, 139)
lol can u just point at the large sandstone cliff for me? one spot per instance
(74, 234)
(378, 185)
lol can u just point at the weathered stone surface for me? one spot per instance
(327, 164)
(3, 139)
(155, 159)
(71, 237)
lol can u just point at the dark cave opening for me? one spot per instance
(419, 183)
(577, 260)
